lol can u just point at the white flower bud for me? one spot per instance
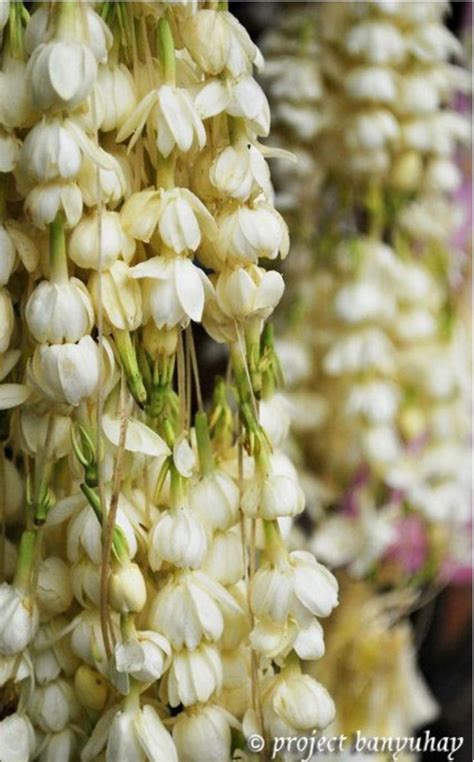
(57, 312)
(98, 183)
(179, 538)
(53, 590)
(15, 100)
(18, 620)
(194, 676)
(247, 293)
(9, 150)
(87, 641)
(53, 706)
(215, 499)
(86, 26)
(86, 583)
(300, 587)
(278, 494)
(50, 152)
(247, 233)
(159, 342)
(189, 609)
(84, 532)
(117, 91)
(239, 171)
(293, 703)
(173, 293)
(98, 240)
(231, 48)
(145, 658)
(132, 734)
(120, 297)
(62, 75)
(45, 201)
(204, 734)
(17, 738)
(224, 561)
(127, 589)
(7, 319)
(67, 373)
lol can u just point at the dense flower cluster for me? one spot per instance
(377, 342)
(149, 608)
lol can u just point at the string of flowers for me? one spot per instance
(150, 608)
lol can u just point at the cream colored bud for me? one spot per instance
(117, 92)
(239, 171)
(9, 151)
(17, 738)
(67, 373)
(15, 99)
(98, 241)
(7, 256)
(84, 25)
(52, 706)
(215, 499)
(57, 312)
(62, 75)
(293, 703)
(194, 676)
(91, 689)
(7, 319)
(159, 342)
(45, 201)
(194, 729)
(249, 292)
(108, 186)
(247, 233)
(53, 591)
(224, 561)
(127, 589)
(120, 297)
(145, 657)
(406, 172)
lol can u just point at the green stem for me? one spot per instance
(206, 458)
(57, 251)
(25, 561)
(65, 19)
(177, 488)
(128, 358)
(168, 58)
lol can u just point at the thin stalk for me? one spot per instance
(57, 251)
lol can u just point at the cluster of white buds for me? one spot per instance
(380, 416)
(151, 609)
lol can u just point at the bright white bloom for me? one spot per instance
(247, 233)
(98, 240)
(145, 657)
(251, 292)
(120, 297)
(177, 213)
(249, 102)
(173, 117)
(18, 620)
(194, 675)
(50, 151)
(117, 93)
(67, 373)
(179, 538)
(231, 49)
(293, 703)
(127, 589)
(189, 609)
(45, 201)
(57, 312)
(17, 738)
(53, 591)
(131, 734)
(215, 499)
(62, 75)
(378, 42)
(203, 734)
(62, 745)
(173, 292)
(301, 587)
